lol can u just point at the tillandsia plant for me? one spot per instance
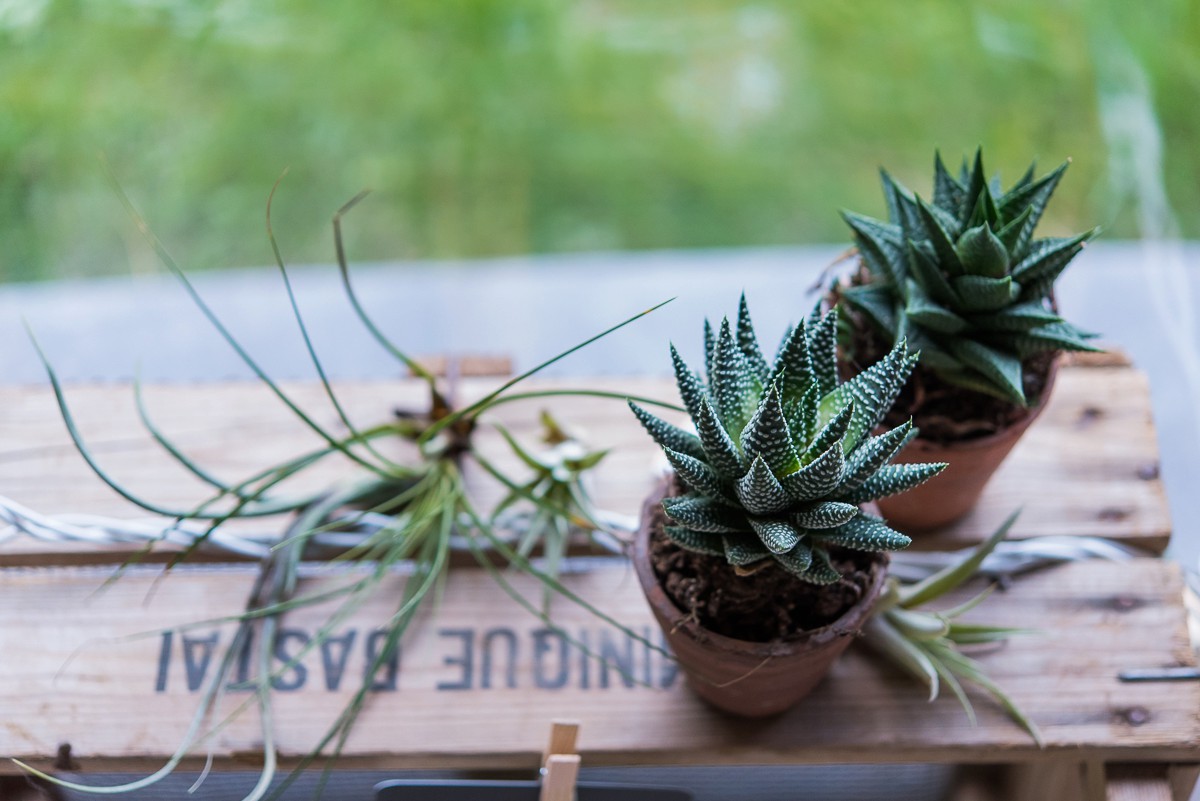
(962, 278)
(387, 512)
(783, 455)
(561, 503)
(928, 644)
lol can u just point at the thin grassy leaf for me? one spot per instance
(951, 576)
(85, 452)
(969, 670)
(169, 446)
(308, 345)
(170, 263)
(487, 401)
(919, 626)
(344, 269)
(584, 393)
(883, 636)
(950, 680)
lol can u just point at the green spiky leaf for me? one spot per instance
(822, 339)
(667, 435)
(876, 303)
(701, 478)
(922, 310)
(1049, 257)
(701, 513)
(793, 365)
(821, 570)
(710, 347)
(1055, 336)
(817, 479)
(1000, 368)
(1033, 196)
(831, 434)
(691, 388)
(720, 452)
(760, 492)
(733, 385)
(778, 536)
(873, 454)
(798, 561)
(697, 541)
(744, 550)
(866, 533)
(948, 193)
(983, 294)
(925, 271)
(748, 343)
(1017, 318)
(982, 253)
(823, 515)
(767, 436)
(941, 241)
(881, 246)
(873, 391)
(893, 479)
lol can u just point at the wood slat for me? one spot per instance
(1089, 467)
(460, 697)
(1137, 783)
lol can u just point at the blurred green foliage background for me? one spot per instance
(491, 127)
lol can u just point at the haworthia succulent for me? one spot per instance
(965, 267)
(782, 456)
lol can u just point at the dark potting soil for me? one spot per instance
(769, 605)
(943, 412)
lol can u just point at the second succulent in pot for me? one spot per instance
(962, 278)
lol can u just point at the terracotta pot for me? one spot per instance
(748, 679)
(951, 494)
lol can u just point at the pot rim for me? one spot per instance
(849, 623)
(1012, 431)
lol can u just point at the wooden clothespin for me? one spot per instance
(560, 763)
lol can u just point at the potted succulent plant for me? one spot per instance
(756, 555)
(962, 279)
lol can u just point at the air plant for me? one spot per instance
(410, 512)
(560, 505)
(927, 644)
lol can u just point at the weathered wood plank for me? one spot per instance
(1090, 466)
(460, 698)
(1137, 783)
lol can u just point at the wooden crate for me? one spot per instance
(476, 685)
(112, 673)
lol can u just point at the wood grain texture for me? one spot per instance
(1088, 467)
(479, 682)
(1137, 783)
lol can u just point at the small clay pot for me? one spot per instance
(744, 678)
(951, 494)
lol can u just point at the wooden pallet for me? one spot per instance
(111, 673)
